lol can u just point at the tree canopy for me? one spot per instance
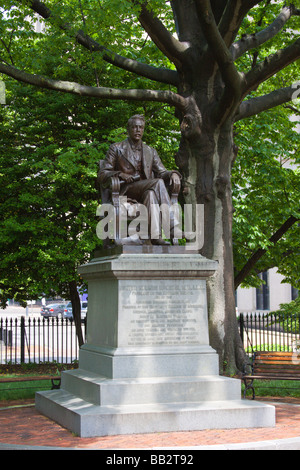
(224, 65)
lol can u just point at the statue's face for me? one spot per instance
(136, 130)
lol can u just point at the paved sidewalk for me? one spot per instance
(24, 426)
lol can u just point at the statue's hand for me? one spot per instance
(175, 179)
(126, 178)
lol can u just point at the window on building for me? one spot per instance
(263, 293)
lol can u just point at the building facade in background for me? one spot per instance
(267, 298)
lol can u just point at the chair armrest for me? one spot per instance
(115, 184)
(174, 189)
(115, 190)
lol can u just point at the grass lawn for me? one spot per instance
(25, 390)
(275, 388)
(22, 390)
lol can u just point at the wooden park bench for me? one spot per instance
(272, 366)
(55, 380)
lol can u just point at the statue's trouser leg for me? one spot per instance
(154, 196)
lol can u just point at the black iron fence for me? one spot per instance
(54, 339)
(38, 340)
(269, 332)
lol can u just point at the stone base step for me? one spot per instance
(103, 391)
(89, 420)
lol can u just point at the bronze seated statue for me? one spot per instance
(132, 174)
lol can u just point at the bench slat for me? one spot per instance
(29, 378)
(274, 353)
(276, 364)
(273, 360)
(269, 377)
(279, 367)
(278, 376)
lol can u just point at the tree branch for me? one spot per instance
(252, 41)
(231, 21)
(270, 66)
(102, 93)
(159, 34)
(232, 18)
(7, 50)
(232, 78)
(162, 75)
(245, 271)
(186, 21)
(215, 41)
(262, 103)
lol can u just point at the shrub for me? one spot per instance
(289, 316)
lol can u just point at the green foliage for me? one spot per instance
(47, 194)
(266, 193)
(52, 142)
(289, 316)
(291, 308)
(258, 18)
(265, 176)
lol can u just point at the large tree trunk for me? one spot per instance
(205, 158)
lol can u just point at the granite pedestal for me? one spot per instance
(147, 365)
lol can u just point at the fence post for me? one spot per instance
(22, 339)
(242, 328)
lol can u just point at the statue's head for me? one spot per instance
(135, 127)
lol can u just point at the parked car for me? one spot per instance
(68, 312)
(53, 310)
